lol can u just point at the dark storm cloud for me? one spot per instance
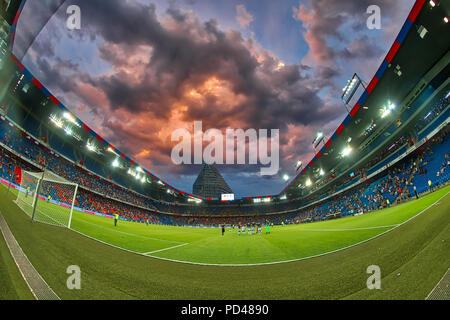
(275, 98)
(156, 62)
(324, 20)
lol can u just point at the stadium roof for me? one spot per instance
(389, 87)
(385, 89)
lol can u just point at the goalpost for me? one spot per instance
(47, 198)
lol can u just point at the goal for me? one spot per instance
(47, 198)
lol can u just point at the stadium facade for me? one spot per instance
(394, 138)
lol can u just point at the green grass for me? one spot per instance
(12, 285)
(418, 250)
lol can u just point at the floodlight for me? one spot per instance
(385, 112)
(68, 131)
(321, 172)
(285, 177)
(446, 19)
(90, 146)
(347, 150)
(308, 182)
(432, 3)
(115, 163)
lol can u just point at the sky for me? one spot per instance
(139, 69)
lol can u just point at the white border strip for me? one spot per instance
(437, 284)
(20, 269)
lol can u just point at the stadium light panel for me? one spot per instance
(285, 177)
(257, 200)
(90, 147)
(56, 121)
(446, 19)
(321, 172)
(308, 182)
(432, 3)
(68, 131)
(283, 197)
(68, 116)
(347, 150)
(115, 163)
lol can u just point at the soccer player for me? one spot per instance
(267, 228)
(28, 192)
(116, 217)
(223, 230)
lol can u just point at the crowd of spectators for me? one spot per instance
(99, 195)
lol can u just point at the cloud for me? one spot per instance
(337, 29)
(166, 71)
(242, 16)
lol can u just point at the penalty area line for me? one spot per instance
(353, 229)
(169, 248)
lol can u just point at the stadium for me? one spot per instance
(375, 193)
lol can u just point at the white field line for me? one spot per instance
(352, 229)
(269, 263)
(140, 236)
(58, 224)
(130, 234)
(169, 248)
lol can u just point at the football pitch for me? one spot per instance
(323, 260)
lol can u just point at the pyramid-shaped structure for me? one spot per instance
(210, 183)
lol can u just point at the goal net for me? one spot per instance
(47, 198)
